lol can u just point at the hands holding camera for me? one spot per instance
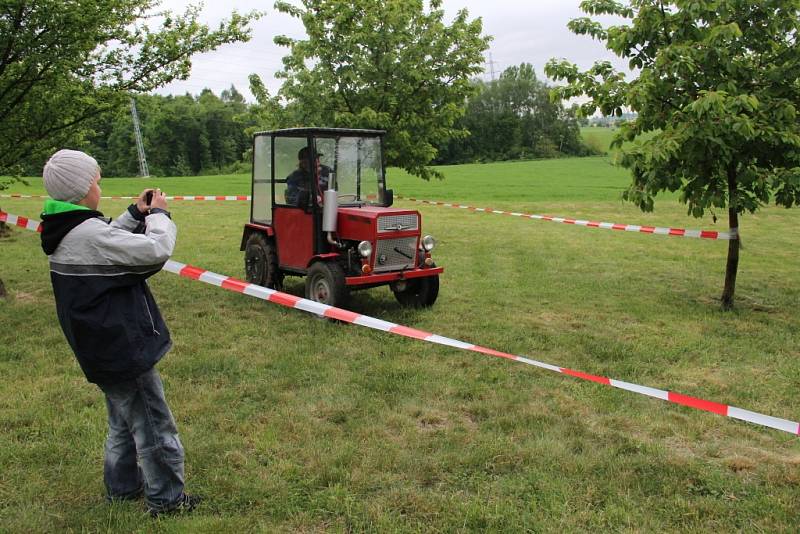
(151, 198)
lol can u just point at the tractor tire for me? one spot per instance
(325, 284)
(418, 292)
(261, 262)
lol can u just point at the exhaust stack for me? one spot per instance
(330, 210)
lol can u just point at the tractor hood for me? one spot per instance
(369, 222)
(372, 212)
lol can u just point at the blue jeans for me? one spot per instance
(143, 450)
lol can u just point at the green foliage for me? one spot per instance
(391, 65)
(513, 118)
(6, 182)
(182, 135)
(186, 135)
(717, 83)
(64, 63)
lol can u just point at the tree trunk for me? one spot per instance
(732, 266)
(4, 231)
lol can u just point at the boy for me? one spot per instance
(110, 319)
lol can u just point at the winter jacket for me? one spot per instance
(99, 272)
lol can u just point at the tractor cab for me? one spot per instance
(320, 209)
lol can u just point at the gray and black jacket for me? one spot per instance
(99, 272)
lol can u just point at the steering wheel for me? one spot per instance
(351, 196)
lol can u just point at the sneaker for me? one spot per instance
(185, 504)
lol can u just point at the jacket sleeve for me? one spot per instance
(153, 248)
(129, 220)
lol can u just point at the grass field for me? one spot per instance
(599, 138)
(295, 424)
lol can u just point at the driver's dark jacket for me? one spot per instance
(99, 271)
(298, 185)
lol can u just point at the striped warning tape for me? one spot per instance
(323, 310)
(22, 222)
(656, 230)
(176, 197)
(680, 232)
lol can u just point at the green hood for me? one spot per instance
(52, 207)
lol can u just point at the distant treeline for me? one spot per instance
(509, 118)
(182, 135)
(514, 118)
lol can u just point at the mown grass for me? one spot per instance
(295, 424)
(599, 138)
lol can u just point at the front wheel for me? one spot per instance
(325, 283)
(417, 292)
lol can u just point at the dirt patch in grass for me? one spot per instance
(336, 415)
(742, 302)
(702, 378)
(739, 463)
(556, 321)
(431, 421)
(22, 296)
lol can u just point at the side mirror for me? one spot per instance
(388, 197)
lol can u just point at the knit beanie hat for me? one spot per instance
(69, 174)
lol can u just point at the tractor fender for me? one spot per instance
(252, 228)
(329, 256)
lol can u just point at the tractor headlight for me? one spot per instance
(365, 249)
(428, 242)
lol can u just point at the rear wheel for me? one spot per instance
(325, 283)
(261, 262)
(417, 292)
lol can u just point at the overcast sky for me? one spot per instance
(530, 31)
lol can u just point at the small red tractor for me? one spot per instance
(320, 209)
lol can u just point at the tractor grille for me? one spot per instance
(396, 223)
(392, 259)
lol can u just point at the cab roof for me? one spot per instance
(323, 132)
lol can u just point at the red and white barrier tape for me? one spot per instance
(656, 230)
(323, 310)
(22, 222)
(176, 197)
(680, 232)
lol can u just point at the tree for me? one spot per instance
(388, 64)
(62, 63)
(512, 118)
(717, 87)
(183, 135)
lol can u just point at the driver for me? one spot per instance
(299, 182)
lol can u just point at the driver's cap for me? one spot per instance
(303, 153)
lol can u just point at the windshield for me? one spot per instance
(355, 167)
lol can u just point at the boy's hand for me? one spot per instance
(141, 202)
(159, 200)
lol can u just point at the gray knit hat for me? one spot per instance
(69, 174)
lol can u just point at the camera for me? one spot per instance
(148, 197)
